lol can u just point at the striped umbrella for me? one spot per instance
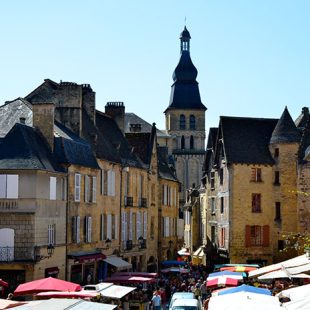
(221, 281)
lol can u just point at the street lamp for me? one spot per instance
(50, 250)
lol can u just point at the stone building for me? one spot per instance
(251, 187)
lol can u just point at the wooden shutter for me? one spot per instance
(89, 228)
(138, 229)
(247, 236)
(77, 187)
(12, 186)
(124, 226)
(94, 193)
(130, 225)
(52, 188)
(102, 227)
(3, 186)
(116, 226)
(266, 235)
(109, 226)
(86, 189)
(109, 180)
(78, 228)
(145, 225)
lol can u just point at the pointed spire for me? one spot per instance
(285, 130)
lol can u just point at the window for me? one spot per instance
(52, 188)
(77, 187)
(9, 186)
(256, 203)
(212, 180)
(192, 122)
(87, 228)
(213, 208)
(111, 183)
(280, 245)
(222, 205)
(213, 234)
(51, 229)
(75, 236)
(104, 182)
(152, 229)
(276, 178)
(109, 226)
(256, 174)
(182, 143)
(191, 142)
(221, 176)
(276, 152)
(113, 226)
(145, 225)
(256, 235)
(222, 238)
(182, 122)
(277, 211)
(103, 225)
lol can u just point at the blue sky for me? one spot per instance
(252, 56)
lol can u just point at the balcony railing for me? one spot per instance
(143, 202)
(128, 244)
(142, 244)
(11, 254)
(128, 201)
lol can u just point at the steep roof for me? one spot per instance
(109, 129)
(11, 112)
(246, 140)
(303, 118)
(165, 170)
(285, 130)
(25, 148)
(132, 119)
(211, 146)
(71, 149)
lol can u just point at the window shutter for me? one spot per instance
(145, 225)
(77, 187)
(113, 183)
(89, 228)
(116, 226)
(123, 227)
(94, 194)
(265, 235)
(3, 186)
(247, 236)
(168, 226)
(86, 189)
(130, 225)
(52, 188)
(102, 227)
(109, 227)
(109, 183)
(138, 229)
(12, 186)
(78, 228)
(73, 231)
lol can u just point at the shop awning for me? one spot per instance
(87, 256)
(118, 262)
(199, 252)
(117, 291)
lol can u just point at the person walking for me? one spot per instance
(156, 301)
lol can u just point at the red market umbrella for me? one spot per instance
(238, 268)
(3, 283)
(222, 281)
(46, 284)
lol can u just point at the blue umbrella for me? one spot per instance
(245, 288)
(173, 263)
(225, 273)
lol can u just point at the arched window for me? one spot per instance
(182, 122)
(182, 143)
(192, 122)
(191, 142)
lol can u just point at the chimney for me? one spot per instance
(43, 119)
(117, 111)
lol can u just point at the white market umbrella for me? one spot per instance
(296, 293)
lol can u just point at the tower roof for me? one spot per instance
(185, 91)
(285, 130)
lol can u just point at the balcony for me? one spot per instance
(129, 245)
(13, 254)
(142, 244)
(142, 202)
(128, 201)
